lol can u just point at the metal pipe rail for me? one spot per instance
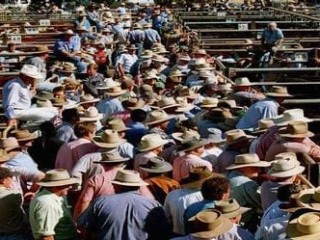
(309, 69)
(244, 22)
(294, 14)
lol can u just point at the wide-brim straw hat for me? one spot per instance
(228, 124)
(128, 178)
(88, 98)
(117, 124)
(278, 91)
(4, 156)
(296, 129)
(285, 168)
(115, 91)
(230, 208)
(44, 95)
(31, 71)
(215, 136)
(68, 32)
(304, 227)
(9, 144)
(57, 178)
(185, 136)
(176, 73)
(150, 142)
(263, 126)
(290, 115)
(243, 81)
(108, 139)
(58, 102)
(167, 102)
(91, 115)
(248, 160)
(209, 223)
(197, 175)
(111, 157)
(209, 103)
(156, 165)
(192, 144)
(23, 135)
(235, 136)
(185, 108)
(157, 116)
(309, 198)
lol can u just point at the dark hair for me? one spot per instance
(284, 192)
(214, 188)
(58, 89)
(138, 115)
(47, 128)
(69, 114)
(4, 173)
(83, 129)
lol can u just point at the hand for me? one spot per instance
(13, 122)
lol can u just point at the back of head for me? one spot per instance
(69, 114)
(215, 187)
(84, 129)
(138, 115)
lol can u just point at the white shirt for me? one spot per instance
(127, 60)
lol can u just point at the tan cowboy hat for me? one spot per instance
(88, 98)
(91, 115)
(108, 139)
(188, 93)
(201, 52)
(41, 103)
(58, 102)
(107, 84)
(132, 46)
(68, 68)
(167, 102)
(285, 168)
(248, 160)
(243, 81)
(227, 87)
(117, 124)
(278, 91)
(43, 49)
(309, 198)
(136, 26)
(111, 157)
(9, 144)
(147, 25)
(185, 136)
(229, 103)
(230, 208)
(197, 175)
(23, 135)
(160, 50)
(290, 115)
(175, 73)
(263, 125)
(156, 165)
(150, 141)
(184, 105)
(209, 223)
(157, 116)
(57, 178)
(228, 124)
(191, 144)
(68, 32)
(4, 156)
(296, 129)
(286, 155)
(146, 54)
(304, 227)
(235, 136)
(45, 95)
(115, 91)
(149, 75)
(158, 58)
(128, 178)
(30, 71)
(134, 103)
(209, 103)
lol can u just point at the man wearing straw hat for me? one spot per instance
(49, 215)
(265, 108)
(126, 60)
(113, 217)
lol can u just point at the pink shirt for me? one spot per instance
(100, 185)
(266, 140)
(70, 153)
(183, 164)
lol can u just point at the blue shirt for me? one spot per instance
(15, 96)
(197, 207)
(125, 216)
(109, 106)
(266, 108)
(136, 132)
(270, 37)
(23, 160)
(65, 132)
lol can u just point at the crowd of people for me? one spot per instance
(130, 136)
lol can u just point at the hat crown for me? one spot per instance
(190, 135)
(287, 156)
(207, 220)
(111, 156)
(86, 97)
(166, 101)
(265, 123)
(110, 136)
(117, 125)
(9, 143)
(284, 165)
(21, 134)
(198, 173)
(91, 112)
(56, 175)
(234, 135)
(297, 127)
(242, 81)
(30, 70)
(157, 115)
(128, 176)
(210, 101)
(156, 163)
(309, 223)
(229, 206)
(150, 140)
(279, 90)
(246, 158)
(293, 114)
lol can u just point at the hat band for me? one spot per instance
(55, 180)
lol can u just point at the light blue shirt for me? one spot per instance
(65, 132)
(270, 37)
(16, 95)
(266, 108)
(109, 106)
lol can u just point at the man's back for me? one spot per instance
(124, 216)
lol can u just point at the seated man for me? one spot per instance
(17, 98)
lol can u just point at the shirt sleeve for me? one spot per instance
(11, 99)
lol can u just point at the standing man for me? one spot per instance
(17, 94)
(50, 217)
(271, 39)
(126, 61)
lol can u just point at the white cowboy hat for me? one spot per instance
(156, 165)
(243, 81)
(186, 135)
(230, 208)
(108, 139)
(278, 91)
(150, 142)
(285, 168)
(157, 116)
(30, 71)
(235, 136)
(209, 103)
(128, 178)
(56, 178)
(88, 98)
(248, 160)
(91, 115)
(291, 115)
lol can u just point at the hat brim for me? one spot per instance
(237, 212)
(176, 105)
(93, 119)
(257, 164)
(34, 76)
(305, 199)
(136, 184)
(97, 140)
(285, 174)
(66, 182)
(185, 108)
(116, 94)
(119, 160)
(197, 145)
(161, 143)
(90, 101)
(243, 138)
(7, 157)
(278, 95)
(293, 233)
(302, 135)
(166, 168)
(278, 121)
(32, 136)
(159, 121)
(208, 105)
